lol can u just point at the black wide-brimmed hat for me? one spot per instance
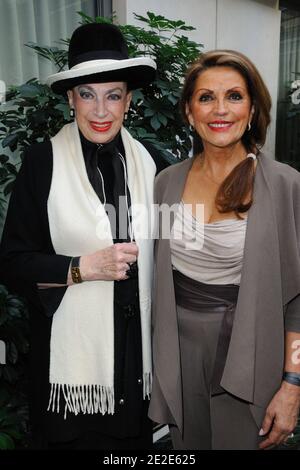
(98, 54)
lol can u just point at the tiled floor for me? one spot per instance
(162, 439)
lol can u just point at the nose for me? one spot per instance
(100, 108)
(221, 107)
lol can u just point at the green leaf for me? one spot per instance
(8, 188)
(13, 301)
(6, 441)
(10, 140)
(137, 95)
(155, 123)
(162, 119)
(149, 112)
(29, 90)
(11, 168)
(3, 291)
(65, 109)
(4, 158)
(39, 117)
(16, 435)
(173, 99)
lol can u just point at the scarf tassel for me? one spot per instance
(84, 399)
(147, 385)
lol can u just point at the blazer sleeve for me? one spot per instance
(292, 315)
(292, 312)
(26, 252)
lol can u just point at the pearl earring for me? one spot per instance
(72, 112)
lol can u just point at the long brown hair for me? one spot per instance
(238, 185)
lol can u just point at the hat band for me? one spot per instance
(94, 63)
(96, 55)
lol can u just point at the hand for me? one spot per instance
(109, 264)
(281, 416)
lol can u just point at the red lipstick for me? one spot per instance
(100, 126)
(220, 126)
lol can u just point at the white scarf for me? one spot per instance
(82, 335)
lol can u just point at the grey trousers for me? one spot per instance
(210, 422)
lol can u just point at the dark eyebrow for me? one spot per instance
(204, 89)
(235, 88)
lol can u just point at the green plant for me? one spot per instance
(13, 373)
(154, 113)
(34, 115)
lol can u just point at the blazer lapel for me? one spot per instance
(166, 355)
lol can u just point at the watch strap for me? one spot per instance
(75, 270)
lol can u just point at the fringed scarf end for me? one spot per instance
(86, 399)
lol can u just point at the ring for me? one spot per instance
(132, 271)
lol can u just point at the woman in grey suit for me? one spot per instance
(226, 323)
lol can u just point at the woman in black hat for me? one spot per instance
(69, 235)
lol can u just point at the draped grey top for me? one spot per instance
(210, 253)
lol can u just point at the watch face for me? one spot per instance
(76, 277)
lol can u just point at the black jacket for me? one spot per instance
(27, 257)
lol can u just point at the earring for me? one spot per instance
(191, 128)
(249, 126)
(125, 116)
(72, 112)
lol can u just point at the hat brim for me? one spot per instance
(136, 72)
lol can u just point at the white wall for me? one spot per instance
(198, 13)
(249, 26)
(254, 29)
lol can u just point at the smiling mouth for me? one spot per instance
(101, 127)
(220, 126)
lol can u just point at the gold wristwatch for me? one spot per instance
(75, 270)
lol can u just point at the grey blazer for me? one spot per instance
(268, 301)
